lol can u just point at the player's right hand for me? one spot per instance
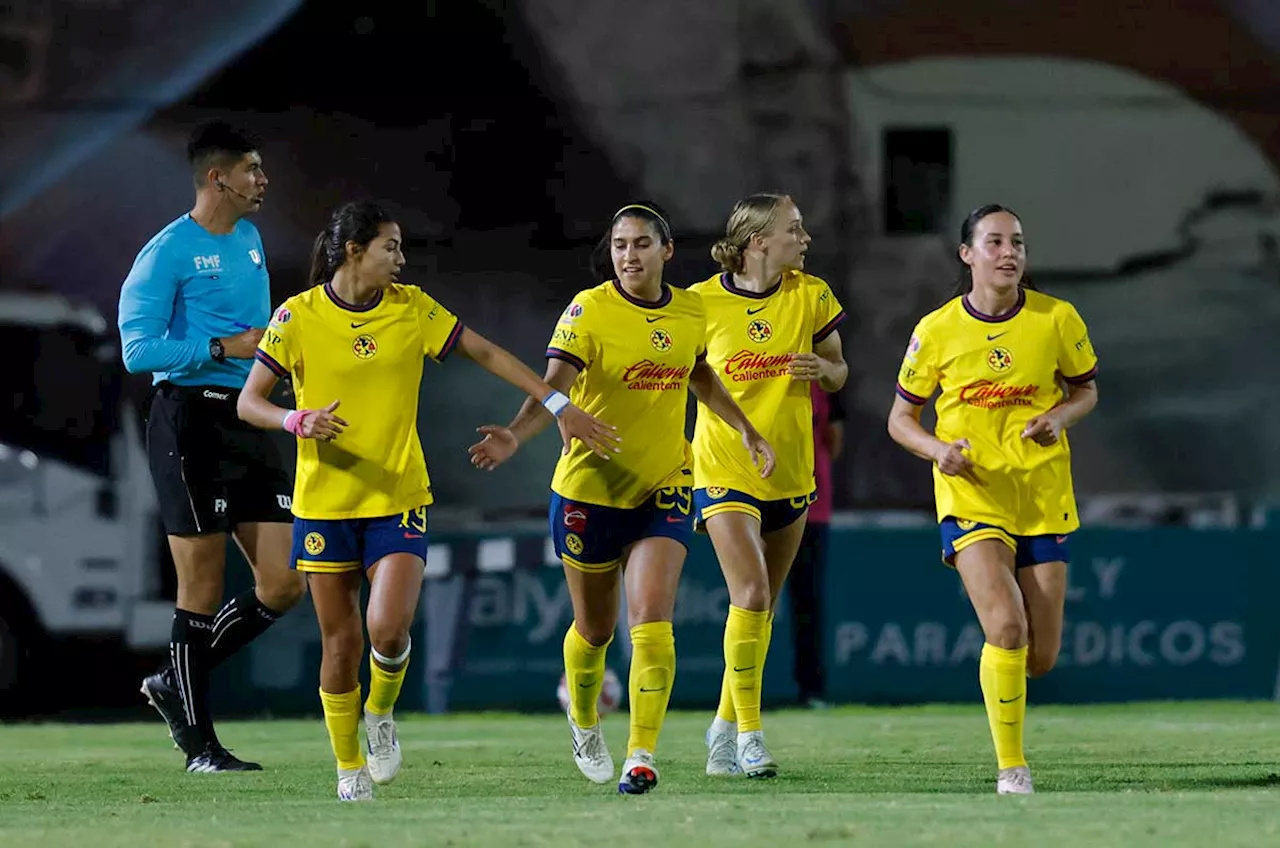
(321, 424)
(600, 437)
(497, 446)
(242, 345)
(952, 461)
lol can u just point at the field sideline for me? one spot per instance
(1164, 774)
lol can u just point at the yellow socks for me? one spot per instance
(653, 668)
(1003, 674)
(744, 642)
(342, 718)
(583, 676)
(384, 686)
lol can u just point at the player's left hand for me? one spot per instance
(762, 455)
(497, 446)
(805, 366)
(1043, 430)
(600, 437)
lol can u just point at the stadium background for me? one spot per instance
(1137, 140)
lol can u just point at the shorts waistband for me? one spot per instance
(206, 394)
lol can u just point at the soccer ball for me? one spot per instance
(610, 693)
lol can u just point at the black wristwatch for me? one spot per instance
(217, 351)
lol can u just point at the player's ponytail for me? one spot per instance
(964, 274)
(357, 222)
(750, 216)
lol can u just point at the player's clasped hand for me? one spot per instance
(762, 455)
(805, 366)
(952, 461)
(1043, 430)
(319, 424)
(601, 438)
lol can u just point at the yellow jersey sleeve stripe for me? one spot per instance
(557, 353)
(985, 533)
(327, 567)
(589, 567)
(269, 361)
(454, 335)
(1083, 378)
(730, 506)
(911, 398)
(829, 327)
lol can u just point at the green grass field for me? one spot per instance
(1202, 774)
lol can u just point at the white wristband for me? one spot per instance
(555, 403)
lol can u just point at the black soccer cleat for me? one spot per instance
(216, 758)
(161, 691)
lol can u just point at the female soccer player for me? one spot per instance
(630, 348)
(360, 499)
(771, 331)
(1001, 355)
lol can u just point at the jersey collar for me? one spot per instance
(662, 301)
(351, 307)
(995, 319)
(726, 280)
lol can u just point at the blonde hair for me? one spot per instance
(750, 215)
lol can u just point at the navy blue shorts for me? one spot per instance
(331, 546)
(958, 534)
(595, 538)
(772, 515)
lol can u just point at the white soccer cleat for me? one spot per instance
(590, 753)
(383, 747)
(355, 784)
(753, 757)
(639, 774)
(722, 748)
(1015, 781)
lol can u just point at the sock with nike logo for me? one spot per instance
(653, 668)
(1003, 675)
(744, 635)
(583, 676)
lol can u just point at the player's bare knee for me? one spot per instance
(388, 640)
(751, 595)
(281, 592)
(1006, 631)
(645, 613)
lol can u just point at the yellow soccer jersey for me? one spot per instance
(750, 339)
(635, 359)
(369, 358)
(996, 374)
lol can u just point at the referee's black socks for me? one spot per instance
(243, 619)
(189, 652)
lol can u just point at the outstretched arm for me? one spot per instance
(574, 423)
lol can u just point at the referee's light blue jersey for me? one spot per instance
(186, 287)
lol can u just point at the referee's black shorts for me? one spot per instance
(211, 470)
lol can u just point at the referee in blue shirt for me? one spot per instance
(191, 313)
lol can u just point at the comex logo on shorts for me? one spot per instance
(212, 395)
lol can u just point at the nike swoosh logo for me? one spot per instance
(651, 320)
(585, 685)
(658, 689)
(413, 535)
(671, 519)
(356, 326)
(992, 338)
(1011, 700)
(744, 668)
(754, 311)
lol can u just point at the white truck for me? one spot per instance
(80, 542)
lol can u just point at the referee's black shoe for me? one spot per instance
(215, 758)
(161, 691)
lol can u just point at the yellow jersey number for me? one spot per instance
(415, 520)
(675, 497)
